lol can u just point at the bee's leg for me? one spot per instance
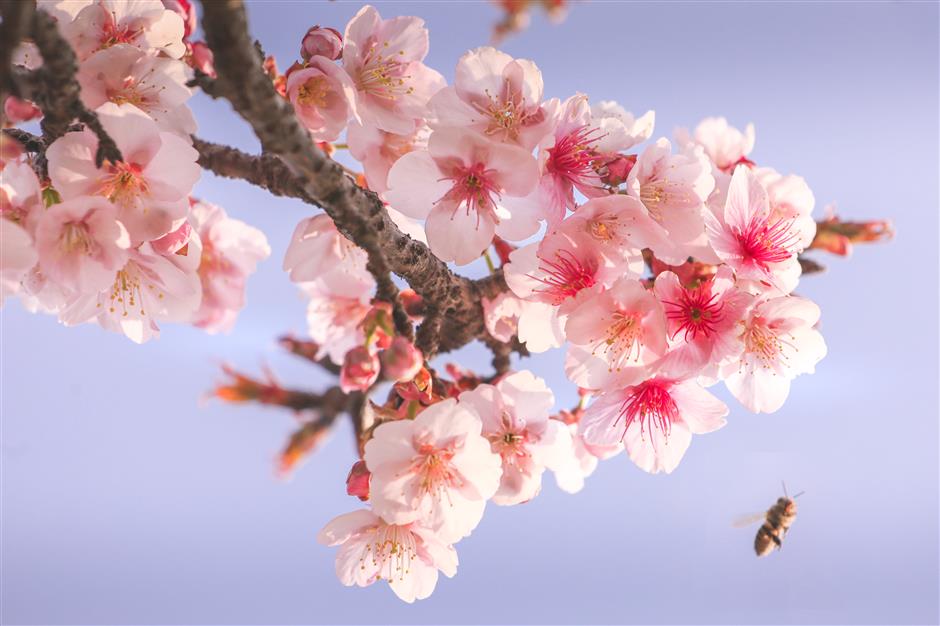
(776, 540)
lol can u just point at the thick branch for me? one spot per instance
(359, 214)
(17, 16)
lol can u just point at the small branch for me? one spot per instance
(809, 266)
(57, 92)
(308, 350)
(29, 141)
(242, 388)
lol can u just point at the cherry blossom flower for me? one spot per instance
(616, 335)
(231, 250)
(457, 184)
(701, 321)
(145, 24)
(81, 244)
(619, 129)
(378, 150)
(569, 160)
(334, 321)
(751, 240)
(20, 195)
(124, 74)
(383, 59)
(778, 341)
(319, 253)
(150, 288)
(790, 198)
(654, 419)
(150, 187)
(437, 469)
(515, 420)
(17, 256)
(498, 96)
(725, 145)
(408, 556)
(323, 97)
(673, 188)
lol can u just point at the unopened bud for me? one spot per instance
(201, 58)
(357, 483)
(378, 325)
(618, 169)
(322, 41)
(17, 111)
(412, 303)
(401, 361)
(360, 370)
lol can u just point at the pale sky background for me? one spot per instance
(127, 500)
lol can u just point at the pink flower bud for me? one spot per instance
(357, 483)
(401, 361)
(360, 370)
(200, 58)
(618, 169)
(322, 41)
(18, 111)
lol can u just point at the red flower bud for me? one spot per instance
(200, 58)
(618, 169)
(401, 361)
(322, 41)
(357, 483)
(360, 370)
(17, 111)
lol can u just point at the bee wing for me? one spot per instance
(743, 521)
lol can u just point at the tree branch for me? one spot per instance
(17, 17)
(359, 214)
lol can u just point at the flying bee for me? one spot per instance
(777, 521)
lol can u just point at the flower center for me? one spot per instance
(657, 195)
(384, 76)
(392, 551)
(764, 242)
(697, 312)
(623, 337)
(128, 290)
(434, 469)
(124, 183)
(573, 156)
(510, 442)
(651, 405)
(762, 342)
(314, 92)
(565, 276)
(473, 188)
(76, 238)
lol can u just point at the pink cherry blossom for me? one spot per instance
(654, 419)
(790, 198)
(437, 469)
(616, 335)
(231, 250)
(20, 195)
(619, 129)
(673, 188)
(701, 321)
(383, 59)
(515, 420)
(319, 253)
(81, 244)
(144, 24)
(498, 96)
(378, 150)
(334, 321)
(323, 97)
(124, 74)
(579, 462)
(778, 341)
(150, 288)
(17, 256)
(457, 184)
(725, 145)
(150, 187)
(407, 556)
(750, 239)
(570, 159)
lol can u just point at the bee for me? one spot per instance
(777, 521)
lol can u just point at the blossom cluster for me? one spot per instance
(663, 266)
(124, 245)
